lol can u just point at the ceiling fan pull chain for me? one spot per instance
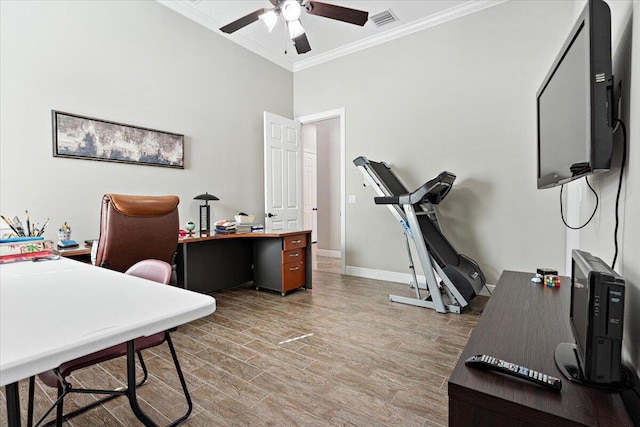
(284, 35)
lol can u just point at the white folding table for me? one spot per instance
(57, 310)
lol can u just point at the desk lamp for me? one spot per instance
(205, 210)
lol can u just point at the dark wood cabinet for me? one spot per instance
(272, 260)
(281, 264)
(523, 323)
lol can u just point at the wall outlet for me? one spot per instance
(352, 198)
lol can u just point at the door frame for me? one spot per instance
(314, 212)
(332, 114)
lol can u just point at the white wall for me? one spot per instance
(134, 62)
(598, 236)
(457, 97)
(461, 97)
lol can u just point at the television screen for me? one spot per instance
(575, 137)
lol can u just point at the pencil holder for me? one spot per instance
(64, 235)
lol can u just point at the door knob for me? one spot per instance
(315, 209)
(270, 215)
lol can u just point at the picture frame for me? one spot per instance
(81, 137)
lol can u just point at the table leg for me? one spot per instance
(13, 404)
(131, 386)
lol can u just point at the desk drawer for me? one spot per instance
(295, 241)
(293, 274)
(293, 255)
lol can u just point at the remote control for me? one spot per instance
(489, 362)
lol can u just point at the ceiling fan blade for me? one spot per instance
(244, 21)
(344, 14)
(302, 44)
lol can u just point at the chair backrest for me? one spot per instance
(136, 228)
(151, 269)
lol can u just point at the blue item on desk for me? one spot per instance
(21, 239)
(67, 244)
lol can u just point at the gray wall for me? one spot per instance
(461, 97)
(457, 97)
(134, 62)
(598, 237)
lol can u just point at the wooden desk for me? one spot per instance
(80, 253)
(522, 323)
(280, 261)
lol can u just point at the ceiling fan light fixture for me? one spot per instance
(291, 10)
(269, 18)
(295, 29)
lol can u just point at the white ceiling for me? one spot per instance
(329, 39)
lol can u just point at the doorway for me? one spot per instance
(323, 137)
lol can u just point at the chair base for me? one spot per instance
(65, 388)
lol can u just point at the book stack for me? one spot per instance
(24, 249)
(249, 227)
(224, 226)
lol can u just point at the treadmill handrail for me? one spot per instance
(393, 200)
(436, 188)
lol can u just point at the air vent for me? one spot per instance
(383, 18)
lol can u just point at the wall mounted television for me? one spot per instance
(574, 103)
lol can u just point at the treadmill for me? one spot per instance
(447, 272)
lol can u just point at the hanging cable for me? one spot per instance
(592, 214)
(622, 163)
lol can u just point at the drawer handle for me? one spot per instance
(294, 268)
(295, 242)
(294, 255)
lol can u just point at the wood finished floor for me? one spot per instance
(338, 355)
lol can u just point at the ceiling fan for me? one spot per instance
(291, 11)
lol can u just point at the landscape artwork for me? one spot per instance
(94, 139)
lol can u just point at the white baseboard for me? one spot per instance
(391, 276)
(329, 253)
(484, 290)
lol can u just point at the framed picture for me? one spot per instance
(82, 137)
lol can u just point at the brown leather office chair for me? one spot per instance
(134, 228)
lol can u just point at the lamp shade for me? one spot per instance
(206, 197)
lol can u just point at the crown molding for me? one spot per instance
(185, 8)
(395, 33)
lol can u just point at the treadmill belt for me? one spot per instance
(439, 247)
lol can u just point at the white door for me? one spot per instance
(310, 205)
(282, 173)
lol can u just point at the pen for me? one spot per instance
(46, 258)
(28, 223)
(18, 225)
(43, 227)
(10, 225)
